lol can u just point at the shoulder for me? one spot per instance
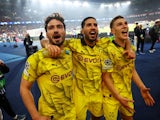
(72, 43)
(37, 56)
(74, 40)
(103, 40)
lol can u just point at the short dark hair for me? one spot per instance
(114, 19)
(56, 16)
(84, 20)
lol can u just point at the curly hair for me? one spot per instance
(56, 16)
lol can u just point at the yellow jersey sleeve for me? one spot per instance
(29, 72)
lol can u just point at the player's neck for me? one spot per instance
(121, 43)
(90, 43)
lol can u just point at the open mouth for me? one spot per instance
(93, 34)
(124, 32)
(56, 36)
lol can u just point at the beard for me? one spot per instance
(90, 39)
(58, 43)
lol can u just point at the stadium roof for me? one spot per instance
(19, 10)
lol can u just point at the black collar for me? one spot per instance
(113, 41)
(84, 43)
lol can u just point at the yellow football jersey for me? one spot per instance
(54, 78)
(87, 64)
(120, 67)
